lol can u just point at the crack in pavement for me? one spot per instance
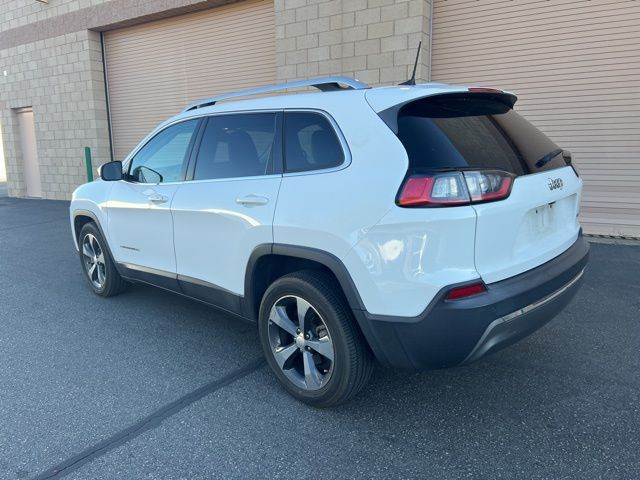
(147, 423)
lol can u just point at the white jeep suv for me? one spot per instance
(423, 226)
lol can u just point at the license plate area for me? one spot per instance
(551, 218)
(531, 227)
(543, 218)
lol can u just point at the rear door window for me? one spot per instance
(464, 131)
(310, 142)
(236, 145)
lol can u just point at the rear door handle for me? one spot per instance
(252, 200)
(157, 198)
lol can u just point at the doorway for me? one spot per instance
(31, 167)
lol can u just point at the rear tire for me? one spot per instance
(323, 361)
(97, 264)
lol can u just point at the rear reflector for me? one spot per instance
(454, 188)
(466, 291)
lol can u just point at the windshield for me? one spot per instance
(467, 131)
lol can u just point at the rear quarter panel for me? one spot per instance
(410, 255)
(398, 258)
(333, 210)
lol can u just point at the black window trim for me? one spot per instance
(185, 163)
(346, 152)
(277, 148)
(279, 166)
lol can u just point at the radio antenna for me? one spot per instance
(412, 80)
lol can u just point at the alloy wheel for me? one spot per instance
(94, 262)
(300, 342)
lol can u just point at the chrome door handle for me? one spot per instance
(157, 198)
(252, 200)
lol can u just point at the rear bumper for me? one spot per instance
(450, 333)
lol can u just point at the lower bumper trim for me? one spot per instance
(518, 324)
(539, 303)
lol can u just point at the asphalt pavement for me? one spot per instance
(150, 385)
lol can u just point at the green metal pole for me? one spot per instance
(87, 161)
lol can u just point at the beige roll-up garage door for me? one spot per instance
(155, 69)
(575, 66)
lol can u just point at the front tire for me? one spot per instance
(97, 264)
(311, 340)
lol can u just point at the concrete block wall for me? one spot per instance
(374, 41)
(52, 57)
(3, 168)
(16, 13)
(51, 53)
(61, 78)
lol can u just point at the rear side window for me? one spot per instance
(464, 131)
(310, 142)
(236, 145)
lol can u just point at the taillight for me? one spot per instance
(485, 186)
(439, 189)
(466, 291)
(455, 188)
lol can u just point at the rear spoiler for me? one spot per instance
(390, 115)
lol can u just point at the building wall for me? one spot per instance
(3, 168)
(53, 61)
(16, 13)
(62, 79)
(52, 57)
(576, 70)
(374, 41)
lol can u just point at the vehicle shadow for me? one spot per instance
(509, 383)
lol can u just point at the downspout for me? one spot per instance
(430, 38)
(106, 95)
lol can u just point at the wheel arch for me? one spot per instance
(80, 219)
(260, 274)
(268, 262)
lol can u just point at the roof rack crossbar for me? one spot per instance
(325, 84)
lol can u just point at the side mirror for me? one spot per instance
(111, 172)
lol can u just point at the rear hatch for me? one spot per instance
(525, 193)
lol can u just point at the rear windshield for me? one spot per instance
(468, 131)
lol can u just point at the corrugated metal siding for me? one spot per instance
(575, 67)
(154, 70)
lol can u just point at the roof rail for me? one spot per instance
(325, 84)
